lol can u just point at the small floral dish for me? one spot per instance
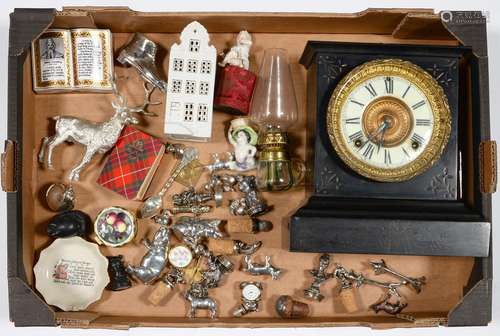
(71, 273)
(115, 226)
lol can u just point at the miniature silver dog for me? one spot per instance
(201, 303)
(155, 260)
(193, 230)
(96, 137)
(259, 269)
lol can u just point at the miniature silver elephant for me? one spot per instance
(155, 260)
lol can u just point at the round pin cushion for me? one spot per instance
(180, 256)
(251, 292)
(115, 226)
(71, 273)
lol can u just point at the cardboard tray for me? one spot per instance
(458, 290)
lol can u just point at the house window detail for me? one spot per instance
(178, 64)
(194, 45)
(202, 112)
(176, 86)
(190, 87)
(206, 67)
(192, 66)
(204, 88)
(188, 111)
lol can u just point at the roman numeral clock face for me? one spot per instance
(389, 120)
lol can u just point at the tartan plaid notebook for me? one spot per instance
(132, 163)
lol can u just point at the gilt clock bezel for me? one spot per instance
(418, 77)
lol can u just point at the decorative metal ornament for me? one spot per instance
(251, 204)
(250, 296)
(197, 295)
(153, 204)
(261, 269)
(389, 120)
(319, 276)
(192, 230)
(60, 197)
(155, 259)
(217, 266)
(115, 226)
(190, 197)
(96, 137)
(140, 53)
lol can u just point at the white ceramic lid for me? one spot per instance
(71, 273)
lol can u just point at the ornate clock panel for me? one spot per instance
(386, 122)
(386, 140)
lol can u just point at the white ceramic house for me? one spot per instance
(191, 80)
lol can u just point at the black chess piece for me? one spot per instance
(118, 277)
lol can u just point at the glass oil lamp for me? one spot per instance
(274, 110)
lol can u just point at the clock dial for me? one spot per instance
(389, 120)
(251, 292)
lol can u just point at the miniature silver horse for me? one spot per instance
(259, 269)
(155, 260)
(201, 303)
(96, 137)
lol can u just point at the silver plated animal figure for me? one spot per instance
(200, 301)
(192, 230)
(261, 269)
(217, 266)
(97, 137)
(155, 260)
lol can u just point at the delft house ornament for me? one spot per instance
(191, 79)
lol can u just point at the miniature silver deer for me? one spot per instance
(96, 137)
(261, 269)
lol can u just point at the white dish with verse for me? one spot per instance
(71, 273)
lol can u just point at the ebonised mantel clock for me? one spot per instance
(384, 141)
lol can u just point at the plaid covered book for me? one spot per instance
(132, 163)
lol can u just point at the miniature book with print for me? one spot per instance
(76, 59)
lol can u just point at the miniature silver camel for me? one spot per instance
(155, 260)
(96, 137)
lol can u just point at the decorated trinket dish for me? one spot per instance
(71, 273)
(115, 226)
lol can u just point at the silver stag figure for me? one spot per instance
(259, 269)
(155, 260)
(96, 137)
